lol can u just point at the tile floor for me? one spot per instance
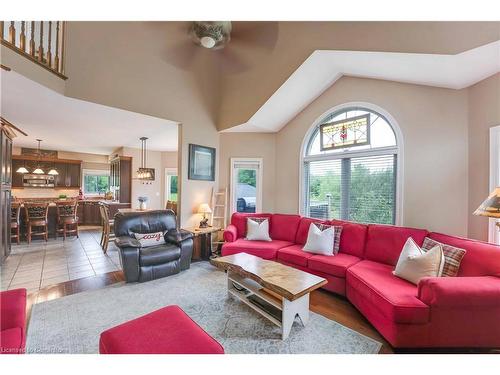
(41, 263)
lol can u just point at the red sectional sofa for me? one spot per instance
(13, 321)
(462, 311)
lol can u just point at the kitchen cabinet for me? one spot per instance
(5, 190)
(73, 173)
(88, 213)
(121, 178)
(69, 170)
(17, 178)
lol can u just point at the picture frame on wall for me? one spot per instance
(201, 163)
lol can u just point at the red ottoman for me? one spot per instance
(165, 331)
(13, 321)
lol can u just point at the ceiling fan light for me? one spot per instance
(22, 170)
(38, 171)
(207, 42)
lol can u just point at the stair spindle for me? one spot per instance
(12, 33)
(49, 48)
(22, 37)
(40, 47)
(56, 57)
(32, 39)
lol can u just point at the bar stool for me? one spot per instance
(37, 217)
(107, 225)
(15, 221)
(66, 218)
(171, 205)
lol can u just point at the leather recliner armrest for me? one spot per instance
(125, 241)
(176, 236)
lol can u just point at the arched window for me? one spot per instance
(350, 167)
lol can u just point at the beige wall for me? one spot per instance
(128, 65)
(248, 145)
(155, 190)
(484, 113)
(434, 126)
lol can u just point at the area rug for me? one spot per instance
(72, 324)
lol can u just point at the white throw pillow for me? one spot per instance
(150, 239)
(320, 241)
(258, 229)
(414, 263)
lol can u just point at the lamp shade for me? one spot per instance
(38, 170)
(204, 209)
(53, 172)
(22, 170)
(491, 206)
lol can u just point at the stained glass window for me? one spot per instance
(353, 131)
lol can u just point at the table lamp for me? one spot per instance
(204, 209)
(491, 206)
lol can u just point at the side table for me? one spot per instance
(202, 242)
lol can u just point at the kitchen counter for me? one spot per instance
(88, 211)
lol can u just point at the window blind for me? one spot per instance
(361, 189)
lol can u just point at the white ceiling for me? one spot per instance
(323, 68)
(68, 124)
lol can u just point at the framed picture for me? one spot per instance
(201, 163)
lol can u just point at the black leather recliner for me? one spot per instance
(149, 263)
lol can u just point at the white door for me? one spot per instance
(246, 185)
(494, 234)
(171, 184)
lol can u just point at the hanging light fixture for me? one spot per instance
(143, 173)
(22, 169)
(53, 171)
(38, 170)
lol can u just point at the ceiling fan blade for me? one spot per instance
(230, 61)
(263, 34)
(182, 54)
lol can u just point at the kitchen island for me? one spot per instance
(88, 211)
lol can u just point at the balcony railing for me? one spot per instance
(40, 41)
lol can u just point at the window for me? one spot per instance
(171, 184)
(350, 168)
(246, 185)
(95, 182)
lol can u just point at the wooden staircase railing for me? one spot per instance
(40, 41)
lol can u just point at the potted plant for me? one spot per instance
(142, 202)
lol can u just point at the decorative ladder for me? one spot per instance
(219, 215)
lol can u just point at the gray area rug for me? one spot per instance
(72, 324)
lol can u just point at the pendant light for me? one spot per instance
(22, 169)
(143, 173)
(53, 171)
(38, 170)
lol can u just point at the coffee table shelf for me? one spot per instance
(277, 292)
(254, 289)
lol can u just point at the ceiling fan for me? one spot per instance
(232, 46)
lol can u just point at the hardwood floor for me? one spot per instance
(322, 302)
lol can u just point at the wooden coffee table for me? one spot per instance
(277, 292)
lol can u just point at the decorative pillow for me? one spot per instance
(150, 239)
(337, 229)
(258, 229)
(320, 239)
(452, 256)
(415, 263)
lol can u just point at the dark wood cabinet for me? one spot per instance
(73, 173)
(5, 190)
(17, 178)
(121, 178)
(69, 171)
